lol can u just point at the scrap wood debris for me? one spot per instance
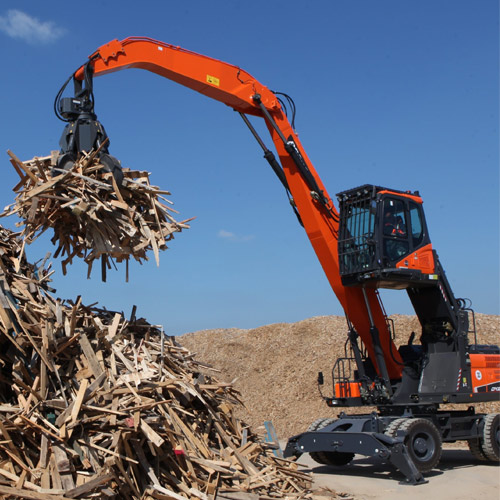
(94, 405)
(91, 216)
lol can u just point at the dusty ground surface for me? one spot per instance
(457, 477)
(275, 367)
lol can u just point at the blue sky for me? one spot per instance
(396, 93)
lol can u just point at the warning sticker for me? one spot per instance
(213, 80)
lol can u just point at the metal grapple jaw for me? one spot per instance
(83, 132)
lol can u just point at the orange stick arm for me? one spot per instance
(236, 88)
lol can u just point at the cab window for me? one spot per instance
(396, 244)
(417, 232)
(394, 218)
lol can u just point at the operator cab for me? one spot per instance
(383, 239)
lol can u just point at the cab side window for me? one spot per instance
(417, 232)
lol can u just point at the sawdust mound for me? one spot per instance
(275, 367)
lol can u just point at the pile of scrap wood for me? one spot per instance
(94, 405)
(91, 216)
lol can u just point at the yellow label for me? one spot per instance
(213, 80)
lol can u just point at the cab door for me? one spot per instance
(394, 225)
(405, 241)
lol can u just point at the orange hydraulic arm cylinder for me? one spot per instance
(236, 88)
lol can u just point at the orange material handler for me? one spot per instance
(377, 239)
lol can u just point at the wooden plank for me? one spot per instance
(112, 453)
(63, 465)
(45, 186)
(19, 164)
(90, 390)
(78, 401)
(91, 357)
(15, 478)
(40, 428)
(150, 433)
(23, 493)
(89, 486)
(114, 325)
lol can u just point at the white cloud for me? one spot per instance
(234, 237)
(18, 24)
(225, 234)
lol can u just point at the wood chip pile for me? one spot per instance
(94, 405)
(92, 218)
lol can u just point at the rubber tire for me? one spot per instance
(392, 429)
(423, 441)
(491, 436)
(476, 449)
(337, 458)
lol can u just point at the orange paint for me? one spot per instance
(412, 197)
(422, 259)
(347, 390)
(485, 370)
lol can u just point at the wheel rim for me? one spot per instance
(423, 446)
